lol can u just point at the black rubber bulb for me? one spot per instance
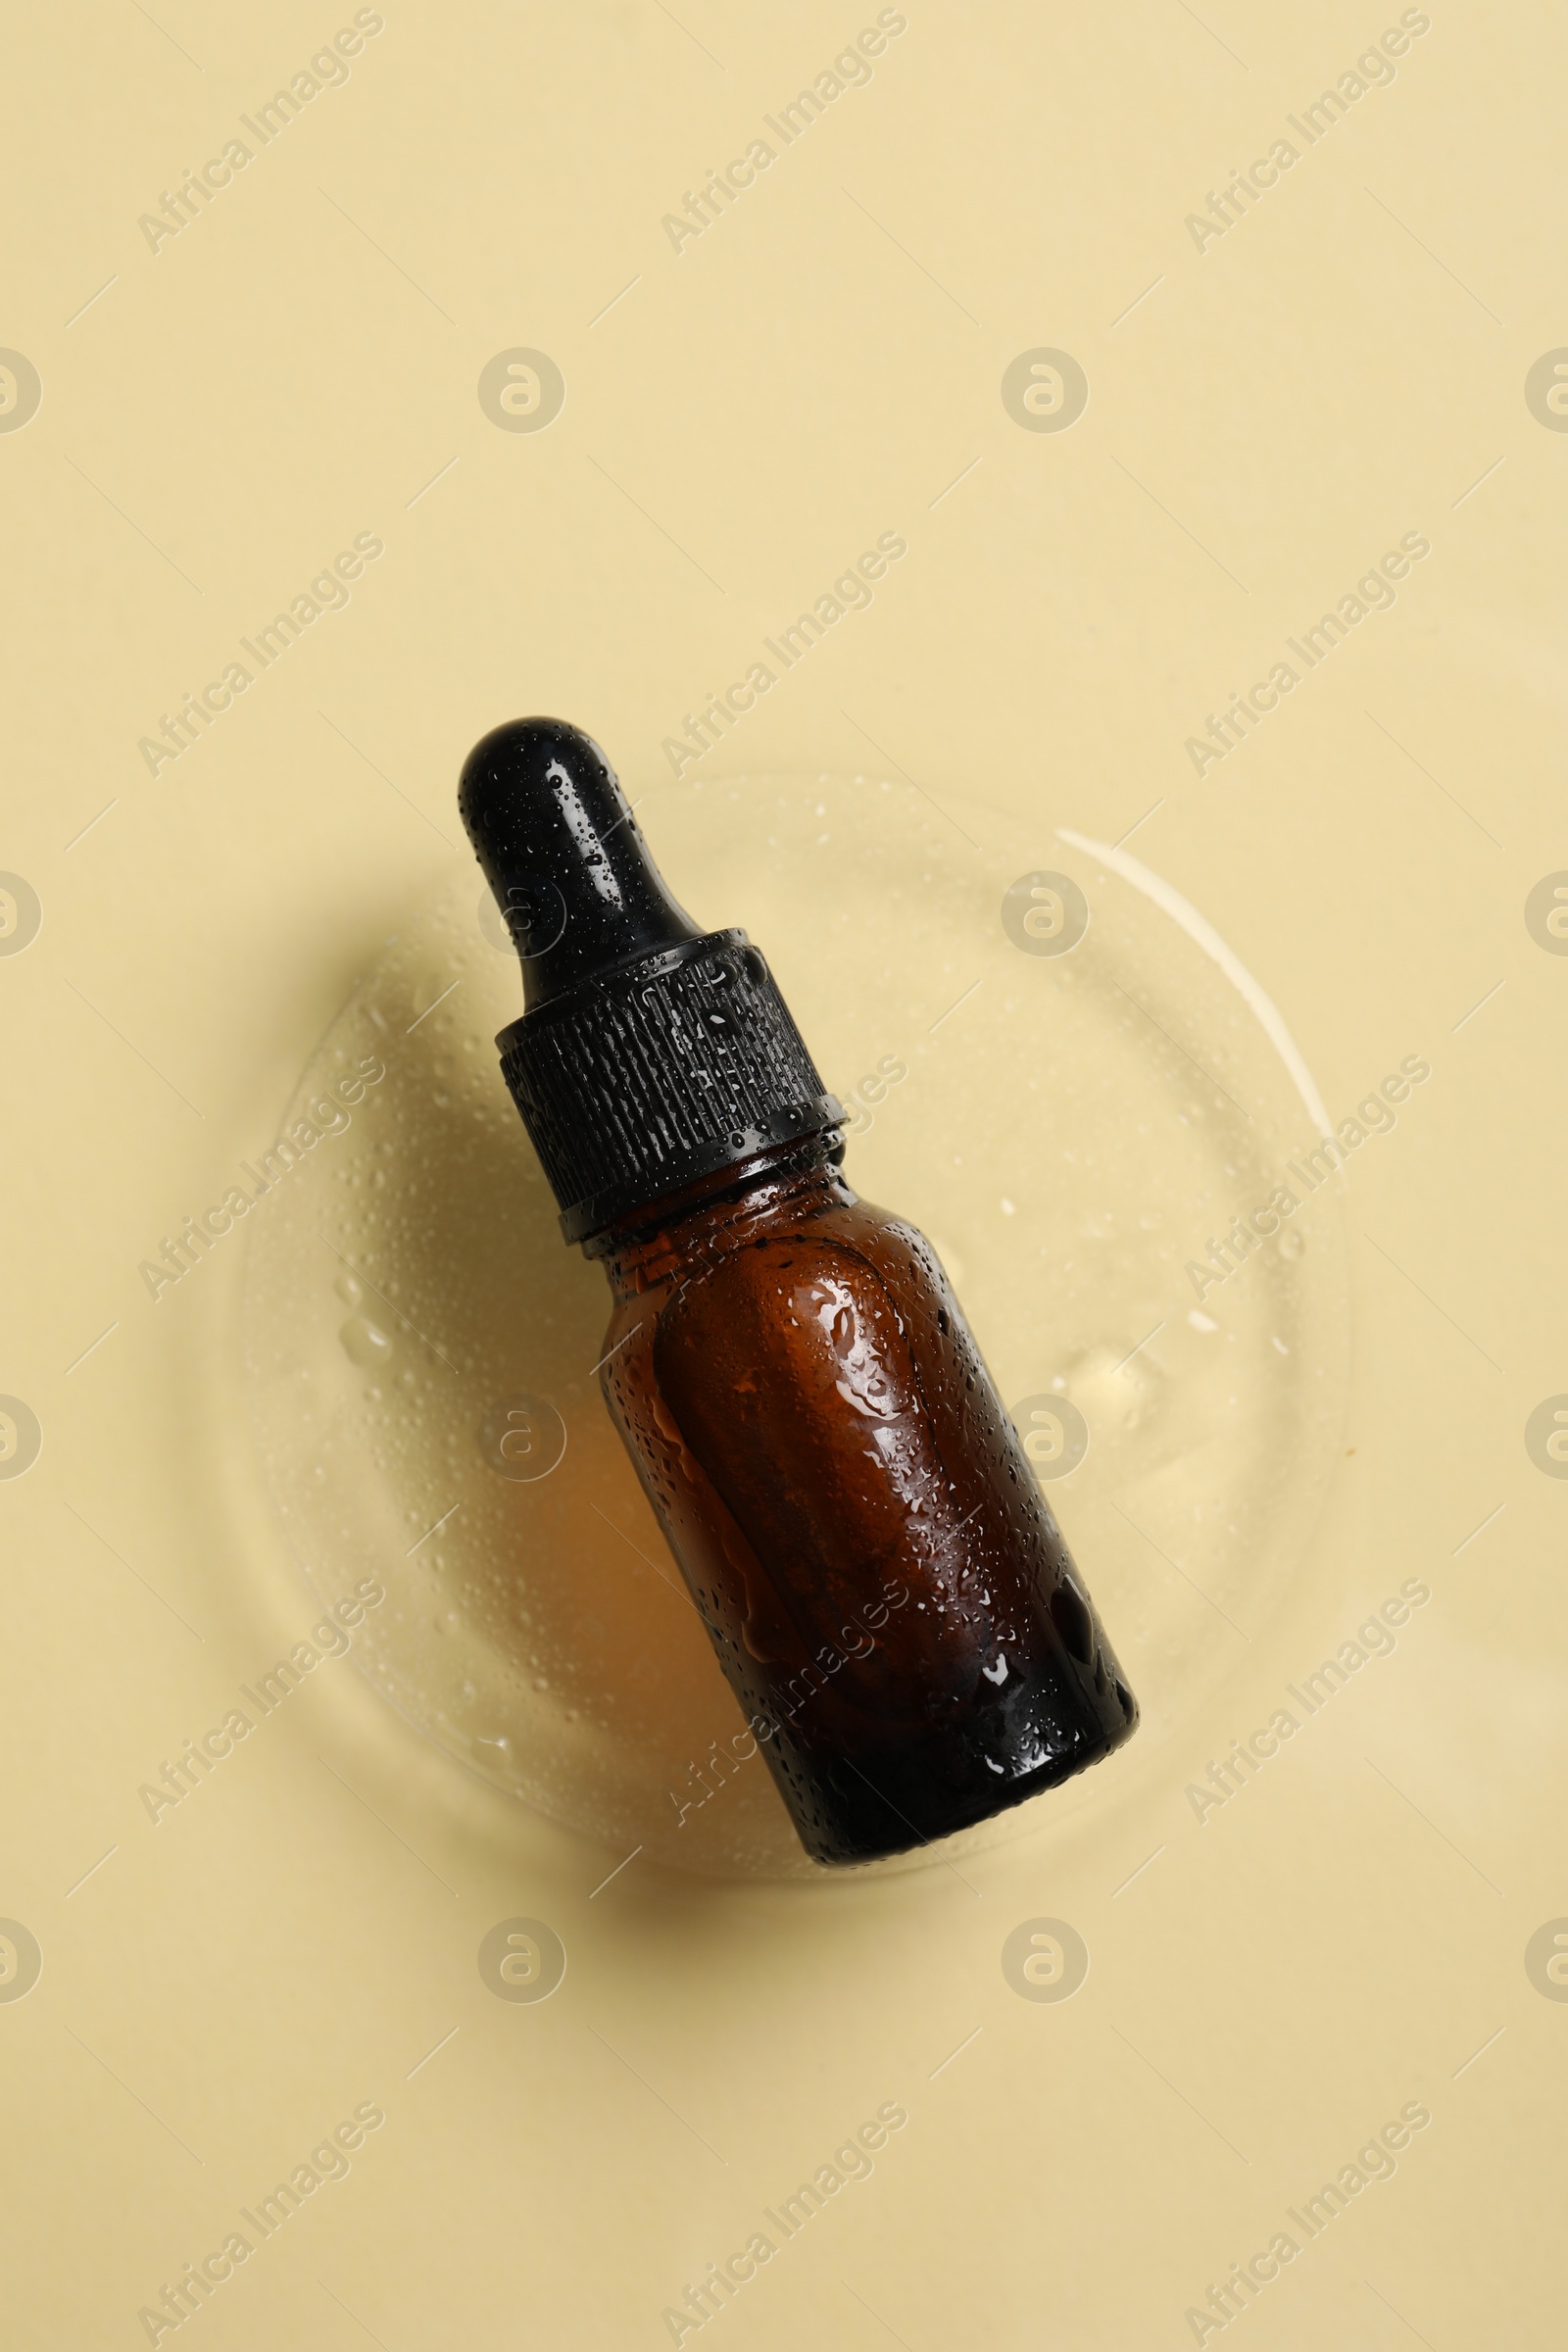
(561, 851)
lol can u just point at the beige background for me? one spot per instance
(299, 364)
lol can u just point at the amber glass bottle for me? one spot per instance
(811, 1421)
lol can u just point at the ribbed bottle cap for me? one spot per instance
(649, 1054)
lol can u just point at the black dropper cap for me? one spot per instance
(650, 1054)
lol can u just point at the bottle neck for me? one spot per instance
(720, 1209)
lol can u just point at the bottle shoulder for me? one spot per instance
(748, 1248)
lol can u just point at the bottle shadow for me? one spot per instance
(587, 1684)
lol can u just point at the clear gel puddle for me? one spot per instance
(1072, 1109)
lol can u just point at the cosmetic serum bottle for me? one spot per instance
(848, 1503)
